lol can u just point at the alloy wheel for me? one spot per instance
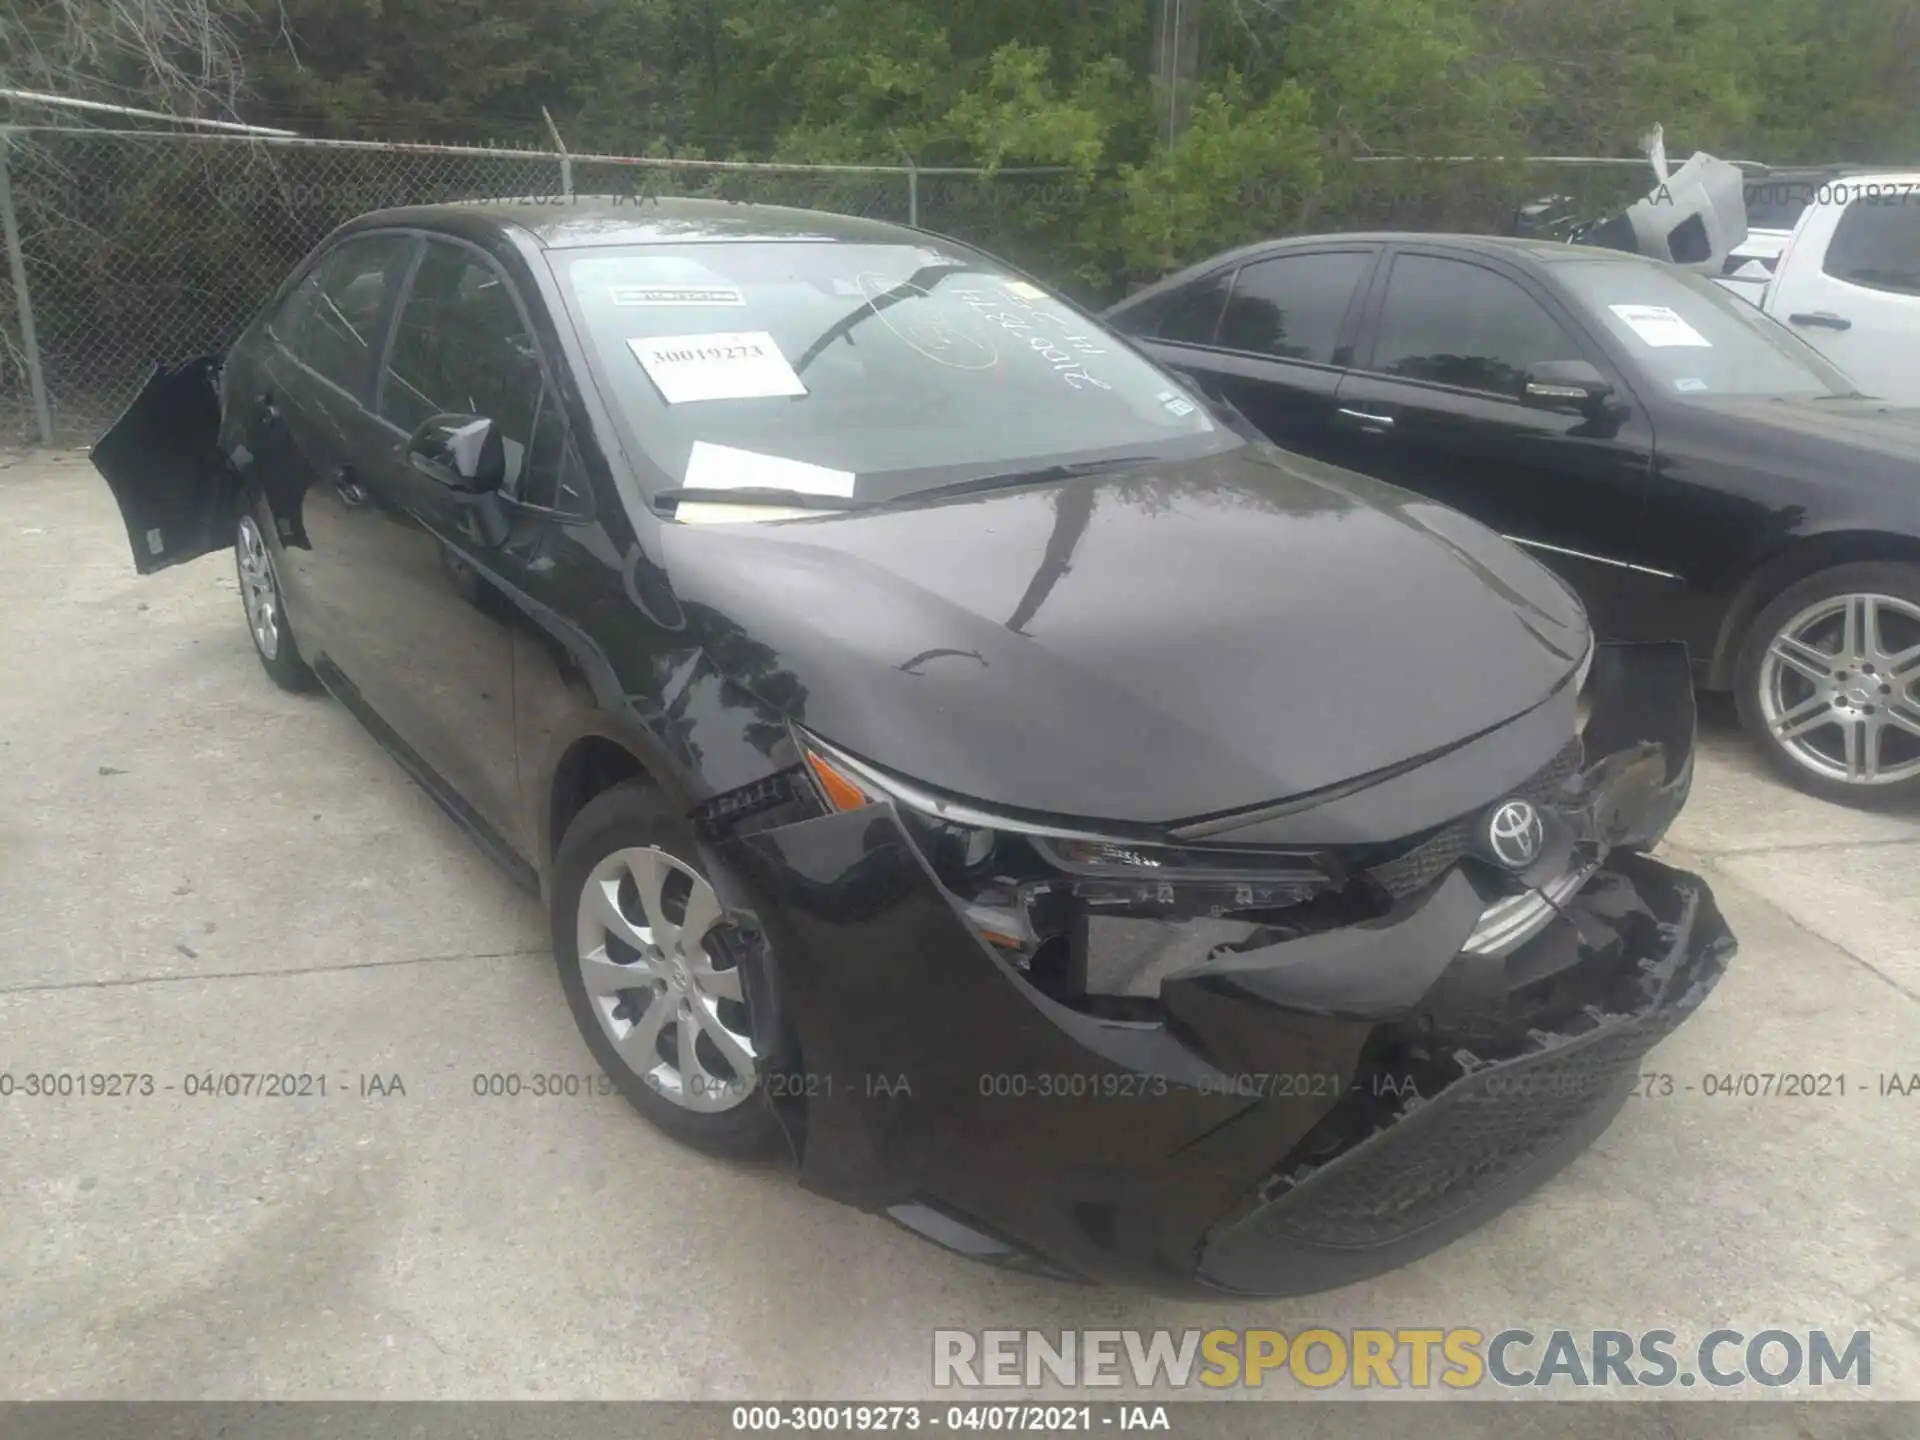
(664, 981)
(1839, 689)
(259, 590)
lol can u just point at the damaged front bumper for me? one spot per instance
(1262, 1118)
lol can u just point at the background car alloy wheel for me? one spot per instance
(266, 610)
(1832, 682)
(672, 996)
(663, 986)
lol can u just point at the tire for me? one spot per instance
(1852, 733)
(626, 877)
(266, 609)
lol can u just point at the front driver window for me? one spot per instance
(462, 349)
(330, 323)
(1460, 324)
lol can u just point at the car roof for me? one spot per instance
(1520, 248)
(559, 222)
(1517, 246)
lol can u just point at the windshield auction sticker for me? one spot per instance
(1660, 327)
(675, 295)
(746, 365)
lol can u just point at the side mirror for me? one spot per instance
(1574, 385)
(461, 452)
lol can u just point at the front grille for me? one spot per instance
(1418, 867)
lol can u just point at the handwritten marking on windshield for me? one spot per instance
(937, 342)
(1053, 349)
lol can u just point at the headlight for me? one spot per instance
(1021, 884)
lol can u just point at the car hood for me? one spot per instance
(1156, 645)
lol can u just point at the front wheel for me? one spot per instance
(267, 609)
(658, 979)
(1828, 683)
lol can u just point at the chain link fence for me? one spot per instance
(138, 247)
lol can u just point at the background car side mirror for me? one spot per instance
(462, 452)
(1574, 385)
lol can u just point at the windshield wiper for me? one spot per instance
(664, 501)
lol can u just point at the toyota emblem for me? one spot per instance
(1515, 834)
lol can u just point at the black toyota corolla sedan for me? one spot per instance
(1101, 841)
(1690, 465)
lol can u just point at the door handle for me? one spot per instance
(1825, 319)
(1366, 422)
(347, 487)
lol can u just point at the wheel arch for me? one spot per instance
(586, 761)
(1805, 556)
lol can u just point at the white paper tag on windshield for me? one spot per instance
(676, 295)
(746, 365)
(1024, 290)
(721, 467)
(1660, 327)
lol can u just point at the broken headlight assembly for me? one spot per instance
(1025, 887)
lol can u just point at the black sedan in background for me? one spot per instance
(943, 743)
(1695, 470)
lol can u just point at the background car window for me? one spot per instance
(461, 348)
(1292, 307)
(1878, 245)
(1188, 315)
(1778, 204)
(1460, 324)
(334, 316)
(1686, 334)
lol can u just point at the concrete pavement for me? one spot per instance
(199, 873)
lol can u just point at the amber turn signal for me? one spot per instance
(840, 792)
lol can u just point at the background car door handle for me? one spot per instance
(1825, 319)
(1365, 421)
(348, 488)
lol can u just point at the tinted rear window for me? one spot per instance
(1292, 306)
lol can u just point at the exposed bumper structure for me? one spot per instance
(1284, 1117)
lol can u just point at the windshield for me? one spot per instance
(862, 371)
(1693, 337)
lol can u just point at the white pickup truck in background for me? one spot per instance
(1847, 277)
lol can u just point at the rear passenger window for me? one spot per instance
(1292, 307)
(1877, 244)
(330, 322)
(1187, 316)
